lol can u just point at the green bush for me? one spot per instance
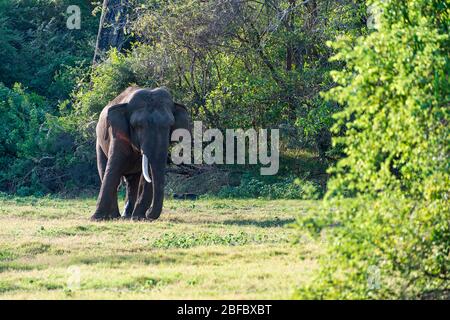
(391, 247)
(40, 153)
(40, 146)
(285, 188)
(393, 239)
(395, 86)
(103, 83)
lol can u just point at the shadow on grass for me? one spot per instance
(15, 266)
(271, 223)
(121, 259)
(149, 258)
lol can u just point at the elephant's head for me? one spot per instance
(149, 117)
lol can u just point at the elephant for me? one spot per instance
(133, 137)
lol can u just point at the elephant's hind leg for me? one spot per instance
(132, 183)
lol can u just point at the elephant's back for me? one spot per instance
(138, 95)
(147, 95)
(124, 97)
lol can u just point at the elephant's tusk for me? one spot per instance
(145, 168)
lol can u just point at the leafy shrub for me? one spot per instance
(103, 83)
(39, 153)
(391, 247)
(21, 114)
(43, 60)
(396, 90)
(393, 239)
(285, 188)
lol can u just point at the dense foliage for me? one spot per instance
(37, 49)
(393, 239)
(244, 64)
(41, 62)
(261, 64)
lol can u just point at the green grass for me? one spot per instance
(227, 249)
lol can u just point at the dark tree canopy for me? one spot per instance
(111, 33)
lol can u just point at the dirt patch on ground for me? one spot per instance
(199, 180)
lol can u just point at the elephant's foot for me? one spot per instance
(116, 216)
(153, 215)
(138, 217)
(99, 217)
(150, 219)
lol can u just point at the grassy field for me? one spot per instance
(212, 249)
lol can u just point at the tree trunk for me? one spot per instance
(311, 8)
(290, 30)
(111, 29)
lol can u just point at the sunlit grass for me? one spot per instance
(198, 249)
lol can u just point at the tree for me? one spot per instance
(111, 33)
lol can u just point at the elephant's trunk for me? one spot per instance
(153, 170)
(158, 176)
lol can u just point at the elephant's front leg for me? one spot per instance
(107, 206)
(145, 196)
(132, 182)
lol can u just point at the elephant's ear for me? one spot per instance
(120, 108)
(182, 118)
(117, 120)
